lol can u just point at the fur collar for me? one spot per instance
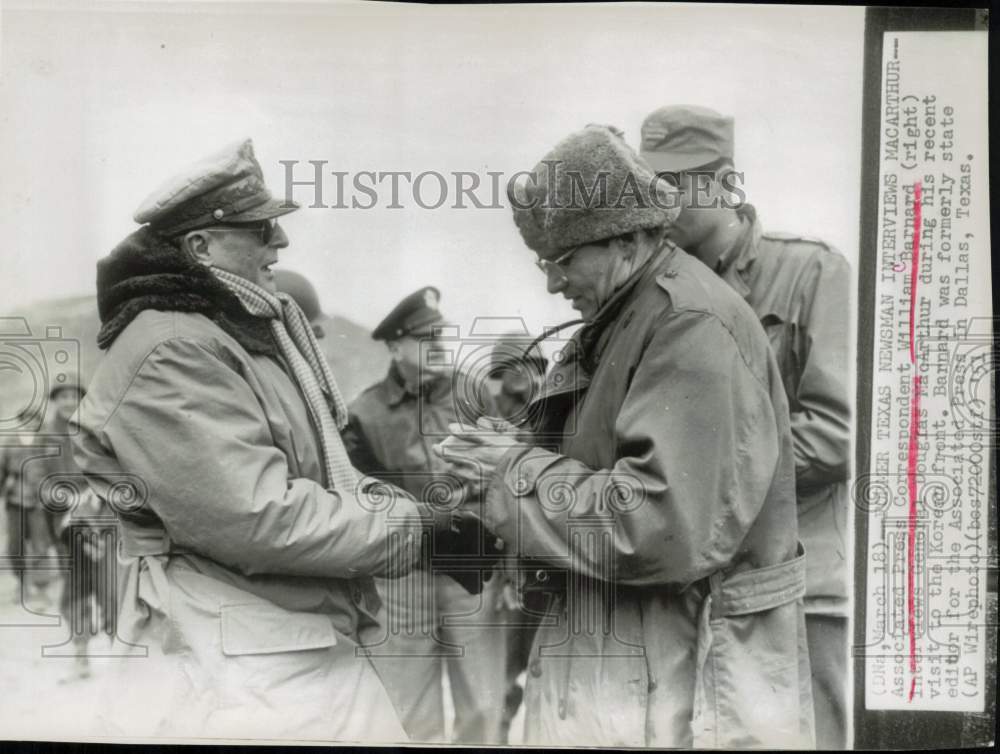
(147, 271)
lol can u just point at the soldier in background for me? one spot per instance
(800, 290)
(392, 428)
(299, 288)
(519, 365)
(87, 584)
(27, 529)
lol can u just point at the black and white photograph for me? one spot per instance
(572, 375)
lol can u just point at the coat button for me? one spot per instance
(652, 685)
(541, 576)
(521, 486)
(536, 668)
(562, 709)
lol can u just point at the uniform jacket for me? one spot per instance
(391, 431)
(663, 483)
(247, 580)
(65, 493)
(20, 468)
(800, 289)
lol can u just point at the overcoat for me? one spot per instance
(247, 580)
(659, 502)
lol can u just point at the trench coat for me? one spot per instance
(658, 502)
(247, 590)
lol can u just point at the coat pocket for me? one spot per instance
(262, 628)
(751, 659)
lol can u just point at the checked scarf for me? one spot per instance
(300, 349)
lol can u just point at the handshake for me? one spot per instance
(473, 452)
(463, 548)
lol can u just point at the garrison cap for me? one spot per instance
(301, 290)
(683, 137)
(515, 348)
(411, 316)
(227, 187)
(590, 187)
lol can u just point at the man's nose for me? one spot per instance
(278, 238)
(555, 282)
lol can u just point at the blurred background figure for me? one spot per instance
(434, 624)
(27, 529)
(75, 515)
(299, 288)
(519, 366)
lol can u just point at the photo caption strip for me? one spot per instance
(927, 495)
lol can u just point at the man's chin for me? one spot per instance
(266, 281)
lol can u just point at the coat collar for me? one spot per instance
(147, 271)
(396, 391)
(734, 264)
(571, 374)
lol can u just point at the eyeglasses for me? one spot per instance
(556, 265)
(264, 229)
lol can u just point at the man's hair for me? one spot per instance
(652, 234)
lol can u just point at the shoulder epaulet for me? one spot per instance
(794, 238)
(683, 295)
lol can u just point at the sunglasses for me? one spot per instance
(264, 229)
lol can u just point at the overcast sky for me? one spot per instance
(101, 105)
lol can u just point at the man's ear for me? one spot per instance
(723, 172)
(195, 244)
(624, 245)
(393, 346)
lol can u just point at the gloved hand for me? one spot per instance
(463, 548)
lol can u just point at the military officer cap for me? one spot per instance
(683, 137)
(511, 349)
(301, 290)
(412, 316)
(227, 187)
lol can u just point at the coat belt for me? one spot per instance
(759, 589)
(143, 541)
